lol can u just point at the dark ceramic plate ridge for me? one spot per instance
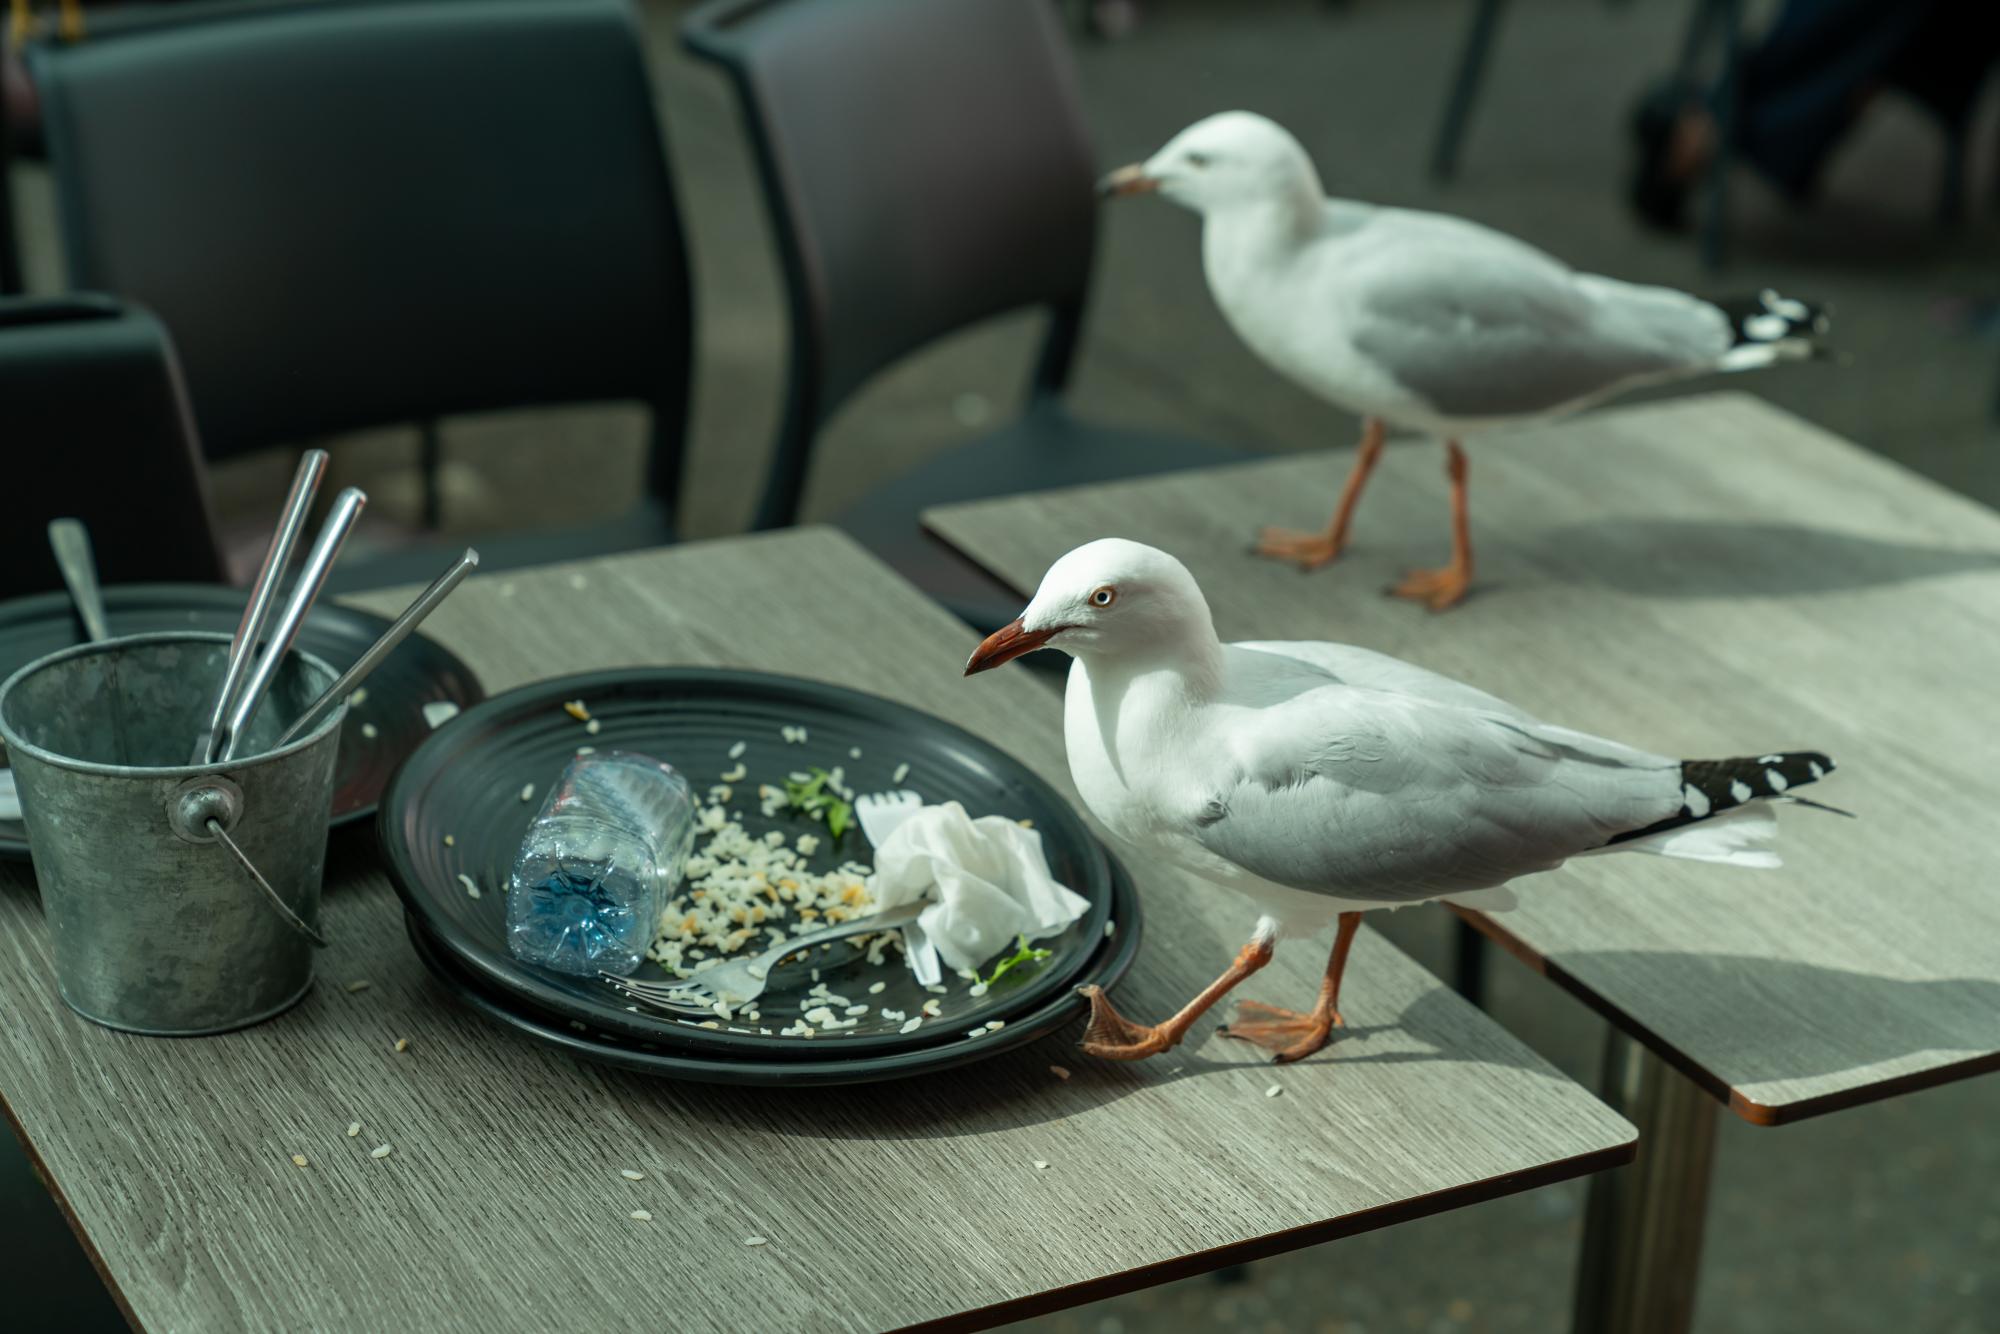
(466, 782)
(1106, 966)
(420, 671)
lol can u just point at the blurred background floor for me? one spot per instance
(1876, 1218)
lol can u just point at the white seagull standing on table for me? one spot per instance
(1428, 322)
(1321, 781)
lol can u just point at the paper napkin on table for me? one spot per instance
(987, 880)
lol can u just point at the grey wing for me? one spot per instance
(1363, 667)
(1393, 799)
(1479, 326)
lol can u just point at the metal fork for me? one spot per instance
(741, 981)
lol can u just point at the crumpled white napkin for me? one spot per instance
(988, 879)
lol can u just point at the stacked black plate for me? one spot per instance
(419, 672)
(466, 782)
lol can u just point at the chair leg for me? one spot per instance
(1951, 182)
(1715, 195)
(1464, 88)
(430, 459)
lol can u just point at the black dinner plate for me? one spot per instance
(836, 1065)
(418, 672)
(466, 782)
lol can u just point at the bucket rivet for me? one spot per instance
(197, 801)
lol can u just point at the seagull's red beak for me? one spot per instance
(1131, 180)
(1004, 645)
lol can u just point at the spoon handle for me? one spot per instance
(71, 542)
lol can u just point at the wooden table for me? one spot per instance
(1703, 577)
(917, 1204)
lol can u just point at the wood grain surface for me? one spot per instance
(1705, 577)
(917, 1203)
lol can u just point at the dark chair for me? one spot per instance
(926, 166)
(95, 425)
(354, 213)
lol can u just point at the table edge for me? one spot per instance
(48, 1181)
(1279, 1243)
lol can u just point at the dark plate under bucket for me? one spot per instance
(466, 782)
(418, 672)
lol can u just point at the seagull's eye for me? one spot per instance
(1197, 160)
(1104, 596)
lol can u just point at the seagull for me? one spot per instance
(1427, 322)
(1322, 781)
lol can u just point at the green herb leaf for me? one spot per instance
(1023, 954)
(838, 816)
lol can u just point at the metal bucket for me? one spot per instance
(160, 926)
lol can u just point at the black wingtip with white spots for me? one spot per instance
(1768, 318)
(1709, 787)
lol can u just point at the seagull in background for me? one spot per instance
(1428, 322)
(1321, 781)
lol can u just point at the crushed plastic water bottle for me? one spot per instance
(599, 863)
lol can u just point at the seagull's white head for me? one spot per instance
(1109, 598)
(1227, 160)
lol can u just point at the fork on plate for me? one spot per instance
(741, 981)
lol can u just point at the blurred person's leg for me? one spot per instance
(1804, 82)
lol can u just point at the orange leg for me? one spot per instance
(1288, 1033)
(1312, 550)
(1116, 1038)
(1439, 589)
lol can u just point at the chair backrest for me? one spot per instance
(96, 426)
(363, 212)
(926, 164)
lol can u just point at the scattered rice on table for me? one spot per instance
(754, 1241)
(298, 1160)
(1041, 1165)
(912, 1024)
(630, 1175)
(381, 1151)
(593, 727)
(359, 697)
(471, 885)
(527, 792)
(640, 1216)
(1059, 1072)
(353, 1129)
(902, 772)
(402, 1044)
(360, 984)
(736, 751)
(370, 731)
(1273, 1091)
(877, 989)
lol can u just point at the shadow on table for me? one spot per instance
(1690, 558)
(1787, 1020)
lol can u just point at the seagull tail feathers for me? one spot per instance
(1726, 813)
(1769, 328)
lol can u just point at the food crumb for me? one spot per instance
(640, 1216)
(576, 709)
(471, 885)
(298, 1160)
(527, 792)
(754, 1241)
(358, 985)
(630, 1175)
(1273, 1091)
(736, 751)
(593, 727)
(1059, 1072)
(1041, 1165)
(353, 1129)
(912, 1024)
(902, 772)
(1110, 929)
(402, 1044)
(359, 697)
(450, 842)
(878, 988)
(370, 731)
(380, 1151)
(854, 752)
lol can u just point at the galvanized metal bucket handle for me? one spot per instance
(203, 810)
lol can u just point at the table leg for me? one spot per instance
(1642, 1226)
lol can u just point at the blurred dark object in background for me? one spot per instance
(976, 196)
(374, 212)
(97, 427)
(1800, 88)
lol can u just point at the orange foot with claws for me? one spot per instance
(1287, 1034)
